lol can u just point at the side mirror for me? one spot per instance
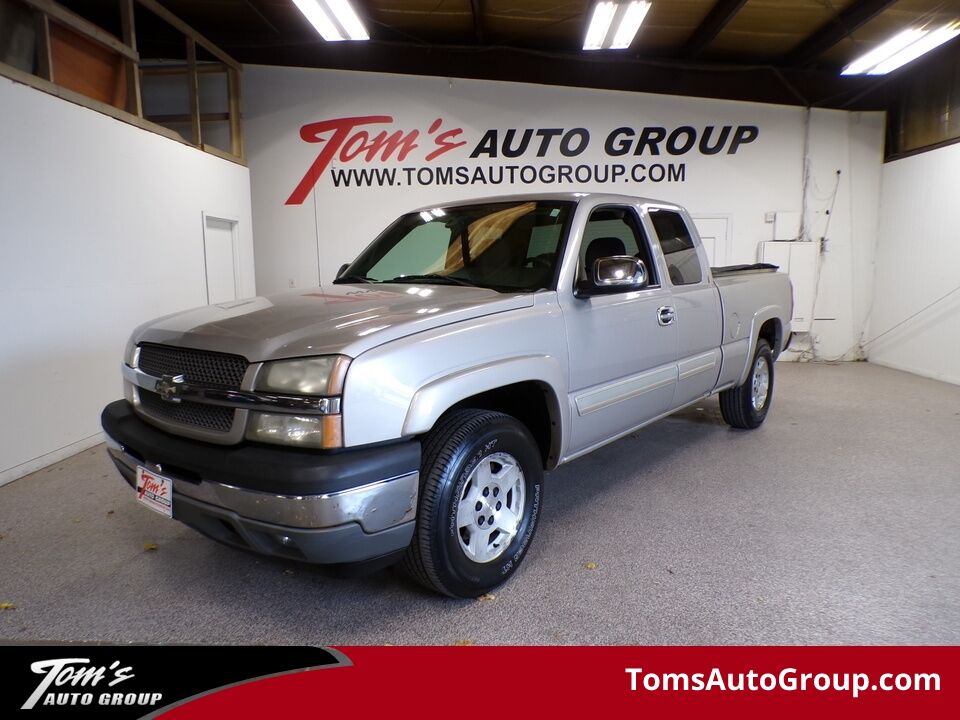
(342, 268)
(620, 273)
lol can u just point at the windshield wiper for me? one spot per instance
(354, 279)
(435, 277)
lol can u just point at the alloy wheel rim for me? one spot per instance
(490, 509)
(761, 384)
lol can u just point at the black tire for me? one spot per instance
(451, 451)
(736, 404)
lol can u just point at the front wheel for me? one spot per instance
(746, 406)
(481, 487)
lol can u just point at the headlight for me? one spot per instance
(305, 376)
(316, 431)
(317, 376)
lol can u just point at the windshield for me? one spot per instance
(504, 246)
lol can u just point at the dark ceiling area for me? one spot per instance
(783, 51)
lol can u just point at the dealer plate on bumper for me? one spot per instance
(155, 491)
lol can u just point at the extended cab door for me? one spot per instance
(695, 303)
(622, 357)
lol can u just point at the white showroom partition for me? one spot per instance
(101, 228)
(915, 321)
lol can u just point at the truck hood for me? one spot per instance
(346, 319)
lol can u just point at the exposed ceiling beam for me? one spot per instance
(716, 20)
(836, 29)
(628, 73)
(259, 14)
(477, 12)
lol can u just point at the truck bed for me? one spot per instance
(734, 269)
(745, 291)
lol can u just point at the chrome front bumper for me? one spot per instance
(376, 506)
(345, 507)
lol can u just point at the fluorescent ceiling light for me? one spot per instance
(932, 40)
(901, 49)
(603, 13)
(334, 19)
(319, 19)
(344, 14)
(629, 25)
(614, 25)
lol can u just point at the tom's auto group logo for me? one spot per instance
(121, 682)
(446, 155)
(75, 681)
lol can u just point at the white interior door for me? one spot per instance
(220, 256)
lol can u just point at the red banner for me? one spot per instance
(560, 682)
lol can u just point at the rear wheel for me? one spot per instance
(746, 406)
(480, 493)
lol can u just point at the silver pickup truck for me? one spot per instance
(408, 411)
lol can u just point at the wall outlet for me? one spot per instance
(770, 217)
(291, 283)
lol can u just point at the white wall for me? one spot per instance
(300, 245)
(100, 230)
(918, 257)
(851, 143)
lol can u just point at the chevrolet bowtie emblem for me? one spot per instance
(168, 387)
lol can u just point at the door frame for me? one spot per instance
(235, 247)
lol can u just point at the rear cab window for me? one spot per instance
(676, 242)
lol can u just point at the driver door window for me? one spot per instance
(613, 231)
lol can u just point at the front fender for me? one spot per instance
(398, 389)
(437, 396)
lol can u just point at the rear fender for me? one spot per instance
(770, 312)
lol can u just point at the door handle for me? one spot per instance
(666, 315)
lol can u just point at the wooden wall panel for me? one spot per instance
(87, 67)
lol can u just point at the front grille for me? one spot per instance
(207, 417)
(199, 367)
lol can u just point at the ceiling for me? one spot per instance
(768, 50)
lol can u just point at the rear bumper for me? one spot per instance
(328, 508)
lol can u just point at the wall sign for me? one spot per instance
(375, 151)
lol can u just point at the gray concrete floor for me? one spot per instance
(838, 521)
